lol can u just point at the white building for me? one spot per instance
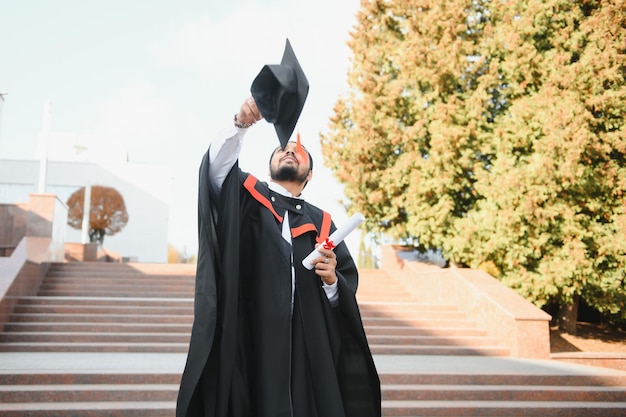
(146, 190)
(66, 162)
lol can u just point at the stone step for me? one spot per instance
(402, 341)
(91, 378)
(118, 347)
(418, 322)
(425, 331)
(86, 289)
(128, 293)
(146, 268)
(405, 305)
(445, 392)
(103, 305)
(389, 408)
(87, 393)
(168, 392)
(181, 347)
(78, 277)
(112, 301)
(71, 315)
(388, 287)
(593, 380)
(591, 377)
(101, 318)
(87, 281)
(103, 276)
(103, 309)
(122, 282)
(78, 337)
(91, 409)
(376, 297)
(102, 270)
(414, 314)
(366, 307)
(156, 326)
(97, 335)
(503, 408)
(90, 327)
(438, 350)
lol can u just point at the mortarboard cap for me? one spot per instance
(280, 92)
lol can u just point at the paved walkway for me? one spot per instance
(16, 362)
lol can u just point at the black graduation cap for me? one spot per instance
(280, 92)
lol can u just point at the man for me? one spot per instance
(272, 338)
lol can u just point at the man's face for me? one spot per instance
(289, 165)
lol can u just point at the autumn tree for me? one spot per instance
(494, 131)
(107, 215)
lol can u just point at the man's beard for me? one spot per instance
(288, 173)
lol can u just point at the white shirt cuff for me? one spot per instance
(332, 293)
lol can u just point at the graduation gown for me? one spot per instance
(254, 353)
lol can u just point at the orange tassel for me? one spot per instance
(304, 156)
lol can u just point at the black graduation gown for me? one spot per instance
(253, 354)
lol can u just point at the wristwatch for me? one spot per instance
(241, 125)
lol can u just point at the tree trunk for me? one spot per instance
(97, 235)
(568, 316)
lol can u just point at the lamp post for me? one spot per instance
(86, 213)
(2, 94)
(43, 147)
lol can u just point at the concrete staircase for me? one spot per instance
(105, 339)
(105, 307)
(398, 324)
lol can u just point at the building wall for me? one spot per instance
(146, 190)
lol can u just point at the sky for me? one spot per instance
(161, 77)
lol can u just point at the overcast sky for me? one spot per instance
(162, 76)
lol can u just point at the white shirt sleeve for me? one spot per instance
(331, 293)
(223, 154)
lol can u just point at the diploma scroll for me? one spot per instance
(336, 237)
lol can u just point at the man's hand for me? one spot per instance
(248, 114)
(325, 265)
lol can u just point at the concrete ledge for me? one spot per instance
(519, 324)
(13, 219)
(521, 327)
(612, 360)
(21, 274)
(37, 231)
(81, 252)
